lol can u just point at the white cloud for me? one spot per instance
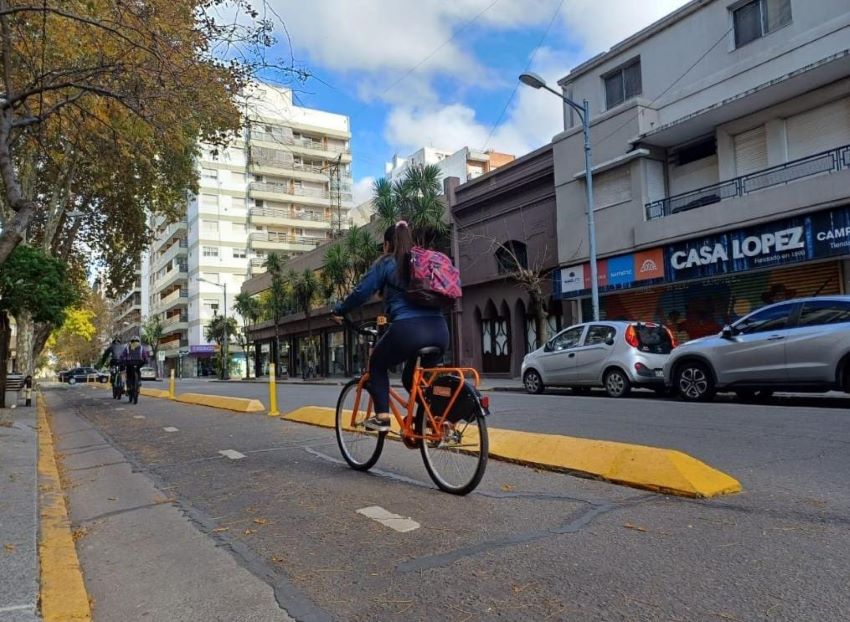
(362, 190)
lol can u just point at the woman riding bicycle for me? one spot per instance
(412, 327)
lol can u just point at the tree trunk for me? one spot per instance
(14, 229)
(41, 333)
(24, 355)
(5, 335)
(539, 320)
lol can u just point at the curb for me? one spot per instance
(237, 404)
(639, 466)
(63, 591)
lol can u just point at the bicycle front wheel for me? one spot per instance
(456, 456)
(360, 447)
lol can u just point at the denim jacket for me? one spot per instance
(382, 276)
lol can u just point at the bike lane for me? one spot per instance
(526, 545)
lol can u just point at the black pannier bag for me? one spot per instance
(467, 406)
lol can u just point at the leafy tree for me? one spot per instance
(151, 334)
(417, 199)
(306, 289)
(347, 261)
(249, 308)
(74, 342)
(278, 301)
(34, 282)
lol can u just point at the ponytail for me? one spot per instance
(401, 241)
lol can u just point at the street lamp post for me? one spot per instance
(535, 81)
(225, 371)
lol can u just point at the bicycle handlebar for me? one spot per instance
(366, 332)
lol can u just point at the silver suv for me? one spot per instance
(615, 355)
(797, 345)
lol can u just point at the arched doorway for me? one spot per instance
(496, 339)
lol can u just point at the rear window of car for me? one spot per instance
(653, 338)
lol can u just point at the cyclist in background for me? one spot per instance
(133, 359)
(112, 357)
(413, 327)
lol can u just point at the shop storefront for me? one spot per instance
(697, 286)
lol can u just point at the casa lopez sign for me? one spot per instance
(763, 245)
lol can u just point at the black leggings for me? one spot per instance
(399, 344)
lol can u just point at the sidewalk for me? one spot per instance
(18, 514)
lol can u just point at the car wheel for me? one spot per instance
(617, 384)
(694, 382)
(72, 380)
(533, 382)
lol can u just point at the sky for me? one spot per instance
(443, 73)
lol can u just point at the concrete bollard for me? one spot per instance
(273, 411)
(171, 386)
(28, 390)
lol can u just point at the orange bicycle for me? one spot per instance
(444, 417)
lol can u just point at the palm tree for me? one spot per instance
(278, 300)
(152, 333)
(220, 331)
(305, 289)
(249, 308)
(417, 199)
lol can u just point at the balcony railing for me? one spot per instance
(294, 214)
(818, 164)
(174, 319)
(183, 292)
(276, 237)
(310, 143)
(263, 186)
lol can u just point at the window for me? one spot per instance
(239, 253)
(210, 276)
(209, 173)
(599, 334)
(820, 312)
(622, 84)
(210, 306)
(209, 200)
(567, 339)
(509, 254)
(209, 226)
(210, 251)
(758, 18)
(696, 151)
(773, 318)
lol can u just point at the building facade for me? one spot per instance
(721, 164)
(500, 219)
(284, 186)
(465, 163)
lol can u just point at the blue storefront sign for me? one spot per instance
(792, 240)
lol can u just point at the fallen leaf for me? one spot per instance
(10, 548)
(261, 521)
(79, 534)
(112, 498)
(507, 488)
(630, 526)
(220, 529)
(249, 532)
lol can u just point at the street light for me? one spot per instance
(536, 82)
(225, 371)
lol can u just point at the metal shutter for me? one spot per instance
(612, 187)
(819, 129)
(751, 151)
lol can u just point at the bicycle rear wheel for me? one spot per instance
(457, 460)
(360, 447)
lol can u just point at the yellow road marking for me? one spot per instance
(63, 591)
(639, 466)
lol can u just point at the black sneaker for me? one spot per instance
(376, 424)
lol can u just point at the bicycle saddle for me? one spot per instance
(429, 350)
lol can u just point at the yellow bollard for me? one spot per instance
(273, 412)
(171, 387)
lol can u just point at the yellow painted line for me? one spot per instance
(155, 393)
(63, 591)
(639, 466)
(238, 404)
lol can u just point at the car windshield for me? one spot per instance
(653, 338)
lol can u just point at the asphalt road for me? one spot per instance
(527, 545)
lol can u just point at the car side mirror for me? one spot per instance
(728, 332)
(609, 341)
(547, 347)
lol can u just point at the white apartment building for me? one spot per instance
(284, 186)
(721, 164)
(131, 307)
(465, 163)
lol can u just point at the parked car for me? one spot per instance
(62, 376)
(85, 374)
(796, 345)
(147, 373)
(614, 355)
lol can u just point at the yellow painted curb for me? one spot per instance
(639, 466)
(63, 591)
(238, 404)
(154, 393)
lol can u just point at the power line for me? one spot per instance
(527, 65)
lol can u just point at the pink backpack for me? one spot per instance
(434, 280)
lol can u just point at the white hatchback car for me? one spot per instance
(614, 355)
(147, 373)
